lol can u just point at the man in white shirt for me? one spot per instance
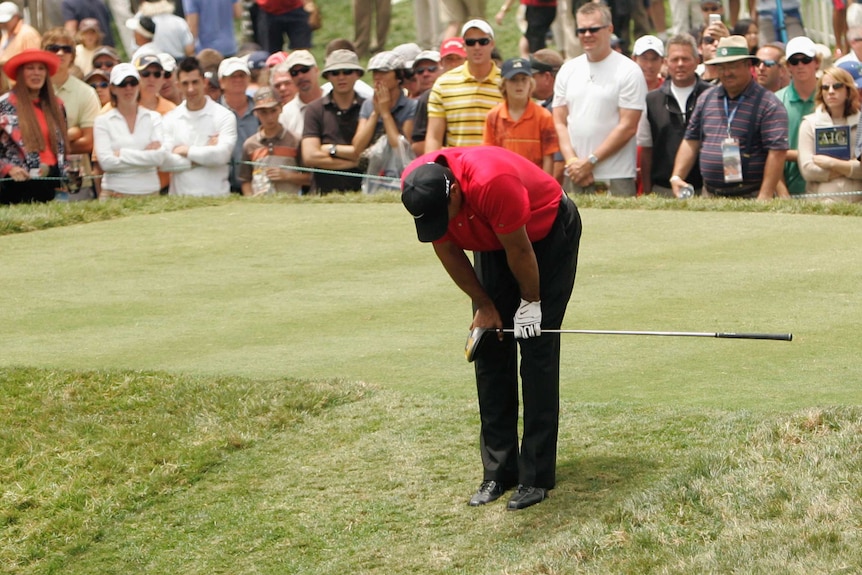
(201, 136)
(598, 100)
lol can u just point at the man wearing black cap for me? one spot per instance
(524, 233)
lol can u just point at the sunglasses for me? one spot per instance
(99, 85)
(148, 73)
(836, 86)
(65, 48)
(126, 83)
(800, 60)
(424, 69)
(708, 40)
(479, 41)
(294, 72)
(340, 72)
(592, 30)
(103, 64)
(711, 8)
(767, 63)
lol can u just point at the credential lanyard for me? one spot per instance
(731, 115)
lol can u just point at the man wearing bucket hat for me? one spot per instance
(740, 130)
(524, 233)
(330, 125)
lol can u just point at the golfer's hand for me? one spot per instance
(528, 319)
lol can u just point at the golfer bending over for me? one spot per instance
(524, 232)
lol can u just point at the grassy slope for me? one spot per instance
(676, 456)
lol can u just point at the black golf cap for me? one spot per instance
(426, 195)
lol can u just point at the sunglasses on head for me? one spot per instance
(65, 48)
(591, 30)
(340, 72)
(126, 83)
(479, 41)
(103, 64)
(836, 86)
(800, 60)
(153, 73)
(768, 63)
(294, 72)
(99, 85)
(424, 69)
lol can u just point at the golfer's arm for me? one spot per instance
(522, 262)
(459, 268)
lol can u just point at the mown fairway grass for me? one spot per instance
(279, 387)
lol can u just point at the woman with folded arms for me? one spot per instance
(128, 140)
(832, 167)
(32, 130)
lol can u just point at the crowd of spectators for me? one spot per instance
(713, 105)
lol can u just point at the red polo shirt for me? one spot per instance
(502, 192)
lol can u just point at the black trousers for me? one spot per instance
(30, 191)
(496, 363)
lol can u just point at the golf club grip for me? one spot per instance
(774, 336)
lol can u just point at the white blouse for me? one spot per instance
(133, 171)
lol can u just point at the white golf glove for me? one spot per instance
(528, 319)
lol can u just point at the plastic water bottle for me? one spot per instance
(686, 192)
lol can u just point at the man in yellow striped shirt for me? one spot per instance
(461, 98)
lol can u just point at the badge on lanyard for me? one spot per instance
(731, 158)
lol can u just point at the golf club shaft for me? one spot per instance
(728, 335)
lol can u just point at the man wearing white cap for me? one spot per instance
(200, 135)
(302, 68)
(648, 53)
(17, 35)
(461, 98)
(598, 100)
(803, 61)
(234, 77)
(739, 130)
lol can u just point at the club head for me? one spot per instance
(473, 341)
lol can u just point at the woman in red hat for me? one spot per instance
(32, 130)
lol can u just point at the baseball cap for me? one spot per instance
(169, 63)
(89, 24)
(646, 43)
(801, 45)
(265, 98)
(855, 70)
(230, 66)
(300, 58)
(386, 62)
(425, 194)
(515, 66)
(147, 60)
(97, 73)
(122, 71)
(257, 60)
(431, 55)
(342, 60)
(276, 58)
(7, 11)
(106, 51)
(477, 23)
(452, 46)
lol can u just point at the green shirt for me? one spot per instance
(797, 108)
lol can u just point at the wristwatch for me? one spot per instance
(333, 150)
(593, 159)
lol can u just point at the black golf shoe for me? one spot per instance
(489, 491)
(525, 496)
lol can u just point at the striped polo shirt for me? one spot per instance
(759, 124)
(464, 101)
